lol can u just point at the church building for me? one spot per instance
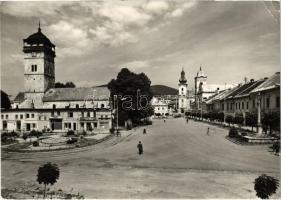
(203, 90)
(41, 106)
(183, 95)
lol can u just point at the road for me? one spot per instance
(180, 161)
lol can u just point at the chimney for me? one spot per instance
(245, 80)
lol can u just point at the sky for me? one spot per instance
(95, 39)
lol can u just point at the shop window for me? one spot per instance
(70, 114)
(267, 102)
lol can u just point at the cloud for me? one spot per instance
(71, 39)
(124, 15)
(32, 9)
(136, 65)
(180, 9)
(156, 7)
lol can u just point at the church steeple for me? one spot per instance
(182, 77)
(39, 28)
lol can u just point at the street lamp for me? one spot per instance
(117, 114)
(116, 104)
(259, 131)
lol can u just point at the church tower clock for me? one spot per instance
(39, 66)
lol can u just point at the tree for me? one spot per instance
(5, 101)
(272, 120)
(238, 119)
(265, 186)
(69, 85)
(134, 96)
(24, 136)
(59, 85)
(48, 174)
(220, 116)
(66, 85)
(229, 119)
(251, 120)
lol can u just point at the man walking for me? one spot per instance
(140, 148)
(208, 131)
(144, 131)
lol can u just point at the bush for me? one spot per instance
(238, 119)
(265, 186)
(24, 136)
(111, 130)
(35, 144)
(233, 133)
(271, 120)
(229, 119)
(243, 134)
(70, 133)
(72, 141)
(14, 134)
(35, 133)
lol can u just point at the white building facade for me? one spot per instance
(183, 95)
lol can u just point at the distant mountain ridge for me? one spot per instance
(163, 90)
(157, 89)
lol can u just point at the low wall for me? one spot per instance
(255, 140)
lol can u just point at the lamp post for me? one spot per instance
(259, 131)
(116, 104)
(201, 102)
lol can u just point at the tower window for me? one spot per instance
(34, 68)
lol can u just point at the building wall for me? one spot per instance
(39, 120)
(79, 104)
(183, 101)
(162, 109)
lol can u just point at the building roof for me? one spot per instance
(218, 96)
(182, 77)
(240, 89)
(19, 98)
(247, 91)
(38, 38)
(76, 94)
(200, 73)
(270, 83)
(157, 102)
(215, 87)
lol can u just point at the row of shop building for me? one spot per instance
(256, 96)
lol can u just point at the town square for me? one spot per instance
(140, 100)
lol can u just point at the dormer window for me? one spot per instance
(34, 68)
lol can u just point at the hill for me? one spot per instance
(163, 90)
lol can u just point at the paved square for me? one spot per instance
(180, 161)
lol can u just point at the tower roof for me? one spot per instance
(200, 73)
(182, 77)
(38, 38)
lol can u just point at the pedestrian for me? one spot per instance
(276, 147)
(187, 120)
(140, 148)
(144, 131)
(164, 121)
(208, 131)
